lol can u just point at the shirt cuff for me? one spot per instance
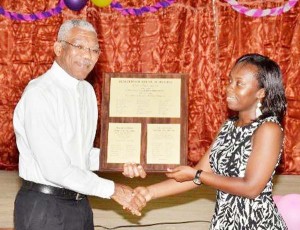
(107, 188)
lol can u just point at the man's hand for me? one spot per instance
(123, 195)
(182, 173)
(133, 170)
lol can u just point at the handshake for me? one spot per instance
(132, 200)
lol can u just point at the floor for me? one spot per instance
(190, 210)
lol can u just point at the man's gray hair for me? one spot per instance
(69, 24)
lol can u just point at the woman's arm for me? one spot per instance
(171, 186)
(266, 145)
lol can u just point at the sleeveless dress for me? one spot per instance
(229, 156)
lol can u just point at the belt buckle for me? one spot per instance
(78, 197)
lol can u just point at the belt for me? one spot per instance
(51, 190)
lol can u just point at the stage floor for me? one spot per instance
(190, 210)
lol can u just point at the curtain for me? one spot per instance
(199, 37)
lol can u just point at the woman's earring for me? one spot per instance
(258, 112)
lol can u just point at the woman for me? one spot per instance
(242, 160)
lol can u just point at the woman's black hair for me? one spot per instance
(269, 77)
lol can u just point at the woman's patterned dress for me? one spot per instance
(229, 156)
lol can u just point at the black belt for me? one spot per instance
(51, 190)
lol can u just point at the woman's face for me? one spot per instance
(242, 91)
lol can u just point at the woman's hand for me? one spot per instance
(182, 173)
(133, 170)
(143, 193)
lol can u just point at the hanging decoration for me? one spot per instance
(75, 5)
(101, 3)
(138, 11)
(34, 16)
(261, 12)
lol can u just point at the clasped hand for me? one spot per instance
(135, 200)
(142, 195)
(125, 196)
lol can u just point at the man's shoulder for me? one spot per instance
(38, 81)
(40, 84)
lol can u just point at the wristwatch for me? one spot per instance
(196, 179)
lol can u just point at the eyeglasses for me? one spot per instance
(82, 48)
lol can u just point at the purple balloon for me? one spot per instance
(75, 5)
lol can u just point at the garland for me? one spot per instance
(34, 16)
(145, 9)
(138, 11)
(261, 13)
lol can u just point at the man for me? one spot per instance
(55, 125)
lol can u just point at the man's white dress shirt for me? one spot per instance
(55, 124)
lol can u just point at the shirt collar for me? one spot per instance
(62, 76)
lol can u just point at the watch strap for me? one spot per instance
(197, 180)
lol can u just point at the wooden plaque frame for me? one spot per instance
(106, 120)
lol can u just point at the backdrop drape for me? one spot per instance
(199, 37)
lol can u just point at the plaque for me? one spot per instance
(143, 120)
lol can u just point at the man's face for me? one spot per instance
(78, 53)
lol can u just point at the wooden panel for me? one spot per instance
(144, 121)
